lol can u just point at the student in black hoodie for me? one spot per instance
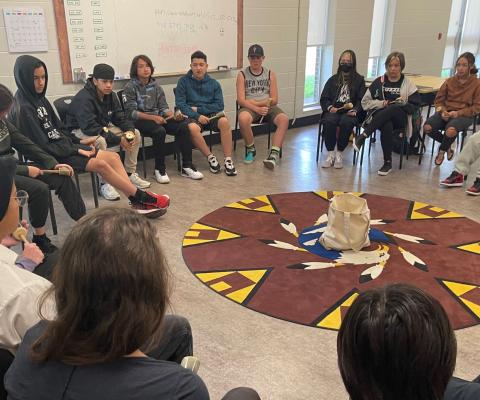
(96, 115)
(343, 89)
(31, 179)
(35, 116)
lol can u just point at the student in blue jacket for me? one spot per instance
(200, 97)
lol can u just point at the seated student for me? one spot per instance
(145, 103)
(96, 116)
(456, 104)
(199, 97)
(468, 156)
(257, 96)
(390, 102)
(397, 343)
(19, 288)
(109, 314)
(35, 117)
(341, 103)
(31, 179)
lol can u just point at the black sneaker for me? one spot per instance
(359, 141)
(214, 164)
(386, 168)
(271, 161)
(229, 167)
(44, 244)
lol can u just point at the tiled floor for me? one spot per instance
(239, 347)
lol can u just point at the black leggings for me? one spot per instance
(158, 132)
(345, 124)
(387, 120)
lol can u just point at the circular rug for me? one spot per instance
(263, 253)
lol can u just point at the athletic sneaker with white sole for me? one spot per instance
(161, 176)
(213, 164)
(108, 192)
(329, 160)
(229, 167)
(192, 173)
(139, 182)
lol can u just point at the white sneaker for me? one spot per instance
(161, 178)
(192, 173)
(329, 160)
(108, 192)
(139, 182)
(338, 163)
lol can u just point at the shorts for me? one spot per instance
(77, 162)
(272, 114)
(210, 126)
(459, 123)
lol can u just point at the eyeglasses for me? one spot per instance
(21, 198)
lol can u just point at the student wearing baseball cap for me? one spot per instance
(257, 96)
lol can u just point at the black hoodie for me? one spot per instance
(90, 114)
(33, 114)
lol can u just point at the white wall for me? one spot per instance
(415, 33)
(281, 27)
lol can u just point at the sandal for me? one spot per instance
(440, 157)
(450, 154)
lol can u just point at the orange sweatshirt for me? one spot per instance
(464, 98)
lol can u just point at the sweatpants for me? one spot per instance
(469, 154)
(158, 133)
(345, 123)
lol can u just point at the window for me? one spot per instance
(377, 43)
(463, 33)
(316, 41)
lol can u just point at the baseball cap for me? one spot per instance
(255, 50)
(103, 71)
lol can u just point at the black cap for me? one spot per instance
(255, 50)
(7, 166)
(103, 71)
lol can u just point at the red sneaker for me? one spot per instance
(148, 211)
(455, 179)
(161, 201)
(475, 189)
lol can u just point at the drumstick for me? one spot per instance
(269, 103)
(20, 234)
(60, 171)
(346, 106)
(217, 116)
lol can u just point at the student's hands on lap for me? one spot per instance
(34, 172)
(158, 119)
(65, 166)
(333, 110)
(87, 153)
(453, 114)
(203, 120)
(194, 109)
(88, 140)
(262, 110)
(445, 115)
(352, 113)
(33, 252)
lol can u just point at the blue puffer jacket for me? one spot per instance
(205, 94)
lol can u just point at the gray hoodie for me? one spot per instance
(149, 98)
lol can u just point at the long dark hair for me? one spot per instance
(396, 343)
(111, 290)
(134, 65)
(350, 77)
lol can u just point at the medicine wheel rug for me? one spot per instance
(263, 253)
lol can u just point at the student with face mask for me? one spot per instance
(345, 88)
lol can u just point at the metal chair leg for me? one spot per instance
(319, 140)
(52, 213)
(95, 188)
(144, 158)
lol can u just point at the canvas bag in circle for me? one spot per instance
(348, 223)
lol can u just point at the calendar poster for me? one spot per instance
(26, 29)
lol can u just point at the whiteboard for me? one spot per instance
(168, 31)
